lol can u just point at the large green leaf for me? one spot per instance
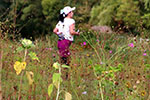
(65, 66)
(33, 56)
(56, 79)
(19, 49)
(50, 89)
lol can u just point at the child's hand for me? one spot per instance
(78, 32)
(58, 33)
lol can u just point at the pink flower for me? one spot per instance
(131, 45)
(144, 54)
(54, 55)
(97, 40)
(110, 51)
(75, 64)
(84, 43)
(48, 49)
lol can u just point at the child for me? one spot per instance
(65, 29)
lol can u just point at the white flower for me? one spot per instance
(27, 43)
(84, 92)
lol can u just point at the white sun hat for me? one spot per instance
(68, 9)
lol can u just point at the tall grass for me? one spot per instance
(89, 50)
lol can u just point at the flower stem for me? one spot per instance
(20, 86)
(25, 54)
(102, 95)
(58, 90)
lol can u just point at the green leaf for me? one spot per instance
(33, 56)
(56, 79)
(65, 66)
(68, 96)
(50, 89)
(147, 65)
(19, 49)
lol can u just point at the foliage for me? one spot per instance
(51, 10)
(129, 13)
(122, 73)
(57, 80)
(103, 14)
(147, 4)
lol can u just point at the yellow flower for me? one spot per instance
(128, 85)
(87, 55)
(23, 65)
(110, 71)
(16, 65)
(143, 93)
(19, 66)
(18, 71)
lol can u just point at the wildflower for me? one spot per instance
(128, 85)
(27, 43)
(106, 72)
(98, 78)
(56, 65)
(113, 92)
(84, 43)
(137, 82)
(19, 66)
(134, 87)
(49, 49)
(131, 45)
(147, 40)
(69, 53)
(110, 71)
(84, 92)
(116, 83)
(87, 55)
(102, 63)
(23, 65)
(144, 54)
(54, 55)
(110, 51)
(75, 64)
(143, 93)
(97, 40)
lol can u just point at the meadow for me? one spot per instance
(103, 67)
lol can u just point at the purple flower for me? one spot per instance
(110, 51)
(97, 40)
(84, 43)
(131, 45)
(84, 92)
(144, 54)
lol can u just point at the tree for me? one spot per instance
(115, 11)
(103, 14)
(128, 11)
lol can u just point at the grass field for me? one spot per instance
(103, 67)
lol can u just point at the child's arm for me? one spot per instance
(56, 31)
(72, 30)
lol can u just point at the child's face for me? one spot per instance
(70, 14)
